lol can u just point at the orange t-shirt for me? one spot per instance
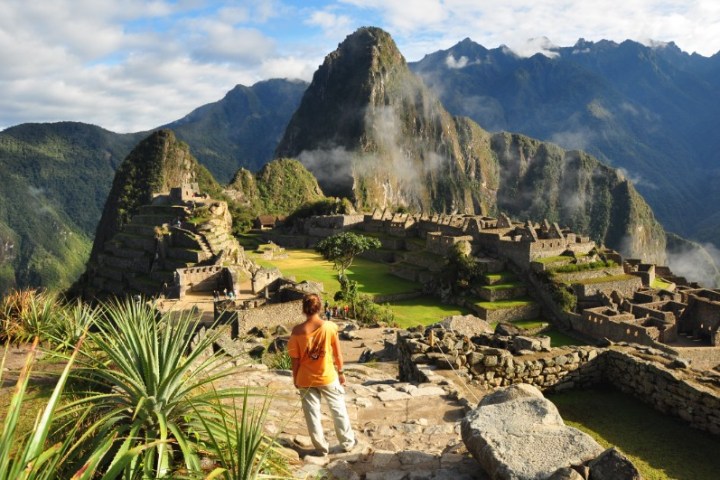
(315, 353)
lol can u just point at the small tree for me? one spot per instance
(341, 249)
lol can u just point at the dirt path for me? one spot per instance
(407, 431)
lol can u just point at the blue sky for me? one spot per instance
(130, 65)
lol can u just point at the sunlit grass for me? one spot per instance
(660, 284)
(520, 302)
(423, 311)
(374, 278)
(662, 447)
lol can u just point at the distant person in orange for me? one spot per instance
(317, 367)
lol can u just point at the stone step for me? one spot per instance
(153, 220)
(137, 242)
(126, 264)
(140, 229)
(163, 276)
(186, 240)
(186, 255)
(164, 210)
(172, 265)
(124, 251)
(501, 291)
(505, 311)
(145, 285)
(115, 274)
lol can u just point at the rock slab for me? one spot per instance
(517, 434)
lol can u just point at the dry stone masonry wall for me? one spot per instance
(653, 376)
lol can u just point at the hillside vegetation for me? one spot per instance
(55, 178)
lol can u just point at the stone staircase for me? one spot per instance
(503, 298)
(143, 257)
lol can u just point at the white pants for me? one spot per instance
(334, 394)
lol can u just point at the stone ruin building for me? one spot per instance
(180, 243)
(622, 299)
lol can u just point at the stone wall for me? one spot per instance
(491, 294)
(497, 315)
(268, 316)
(597, 325)
(585, 274)
(203, 279)
(494, 367)
(702, 318)
(626, 287)
(655, 377)
(680, 393)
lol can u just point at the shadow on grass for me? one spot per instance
(661, 446)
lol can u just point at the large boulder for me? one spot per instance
(466, 325)
(517, 434)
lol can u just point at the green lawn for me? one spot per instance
(557, 258)
(373, 278)
(501, 277)
(662, 447)
(559, 339)
(530, 324)
(424, 311)
(503, 286)
(660, 284)
(518, 302)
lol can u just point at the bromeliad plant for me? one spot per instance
(148, 385)
(27, 314)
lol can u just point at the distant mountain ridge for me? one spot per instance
(648, 110)
(603, 102)
(243, 128)
(67, 168)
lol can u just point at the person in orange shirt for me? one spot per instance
(317, 367)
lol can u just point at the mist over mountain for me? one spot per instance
(368, 127)
(648, 110)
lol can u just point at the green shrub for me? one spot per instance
(27, 457)
(278, 360)
(29, 314)
(237, 442)
(563, 297)
(583, 267)
(370, 313)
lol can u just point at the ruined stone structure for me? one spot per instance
(701, 317)
(620, 299)
(180, 243)
(655, 377)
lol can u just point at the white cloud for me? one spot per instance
(332, 24)
(451, 62)
(136, 64)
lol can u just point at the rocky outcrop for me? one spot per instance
(155, 165)
(280, 187)
(517, 434)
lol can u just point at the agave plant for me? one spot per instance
(71, 323)
(19, 313)
(149, 383)
(236, 439)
